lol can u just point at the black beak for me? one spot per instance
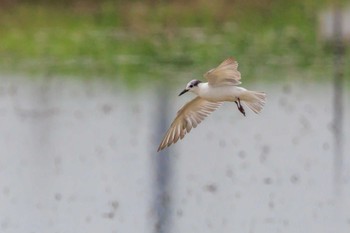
(183, 92)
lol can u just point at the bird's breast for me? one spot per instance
(218, 94)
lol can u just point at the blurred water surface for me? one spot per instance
(80, 158)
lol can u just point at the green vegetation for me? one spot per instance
(136, 41)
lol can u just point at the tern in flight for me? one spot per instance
(221, 86)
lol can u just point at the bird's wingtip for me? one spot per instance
(160, 148)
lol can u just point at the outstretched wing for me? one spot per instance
(225, 74)
(188, 117)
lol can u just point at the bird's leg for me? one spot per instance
(239, 106)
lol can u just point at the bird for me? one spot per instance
(222, 86)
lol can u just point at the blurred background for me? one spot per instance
(88, 89)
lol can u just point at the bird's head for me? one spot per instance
(191, 86)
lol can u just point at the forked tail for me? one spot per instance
(254, 100)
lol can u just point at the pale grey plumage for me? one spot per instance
(225, 74)
(221, 86)
(188, 117)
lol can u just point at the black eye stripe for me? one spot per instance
(194, 83)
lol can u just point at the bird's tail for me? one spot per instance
(254, 100)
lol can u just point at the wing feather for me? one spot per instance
(188, 117)
(225, 74)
